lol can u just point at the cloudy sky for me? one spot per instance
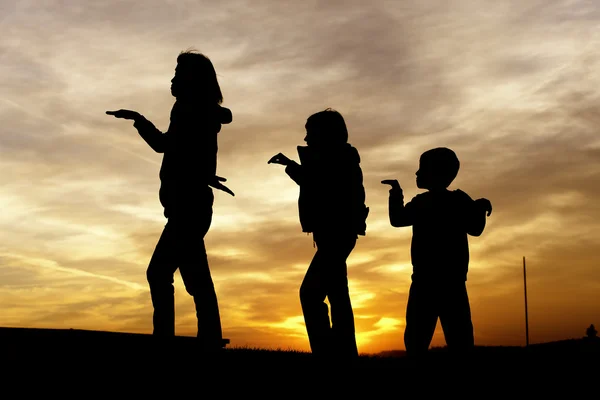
(510, 85)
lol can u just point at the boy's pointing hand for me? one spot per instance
(485, 204)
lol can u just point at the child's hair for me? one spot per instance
(444, 163)
(329, 123)
(199, 69)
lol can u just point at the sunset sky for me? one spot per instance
(512, 86)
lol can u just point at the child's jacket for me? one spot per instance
(441, 222)
(332, 195)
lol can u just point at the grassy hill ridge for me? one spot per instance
(109, 357)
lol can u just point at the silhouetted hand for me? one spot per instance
(279, 159)
(216, 183)
(394, 184)
(485, 205)
(125, 114)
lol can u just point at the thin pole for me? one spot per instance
(526, 314)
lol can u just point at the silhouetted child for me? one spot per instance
(441, 220)
(331, 206)
(188, 170)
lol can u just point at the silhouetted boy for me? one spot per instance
(188, 170)
(331, 206)
(441, 220)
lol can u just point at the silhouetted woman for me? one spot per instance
(187, 172)
(331, 206)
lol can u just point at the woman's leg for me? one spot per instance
(196, 276)
(160, 272)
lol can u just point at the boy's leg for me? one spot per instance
(455, 317)
(316, 314)
(198, 282)
(342, 316)
(421, 319)
(160, 272)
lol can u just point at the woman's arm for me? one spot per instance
(147, 130)
(154, 137)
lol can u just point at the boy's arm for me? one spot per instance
(476, 221)
(400, 214)
(154, 137)
(476, 215)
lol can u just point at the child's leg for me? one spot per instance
(342, 317)
(421, 318)
(312, 298)
(455, 317)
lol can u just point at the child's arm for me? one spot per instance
(292, 168)
(476, 217)
(295, 171)
(400, 214)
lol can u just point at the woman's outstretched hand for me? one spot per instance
(279, 159)
(125, 114)
(216, 183)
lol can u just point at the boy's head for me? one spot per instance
(326, 128)
(195, 78)
(437, 168)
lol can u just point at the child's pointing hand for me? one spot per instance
(485, 204)
(393, 183)
(279, 159)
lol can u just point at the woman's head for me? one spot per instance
(195, 77)
(326, 128)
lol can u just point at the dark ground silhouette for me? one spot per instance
(48, 361)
